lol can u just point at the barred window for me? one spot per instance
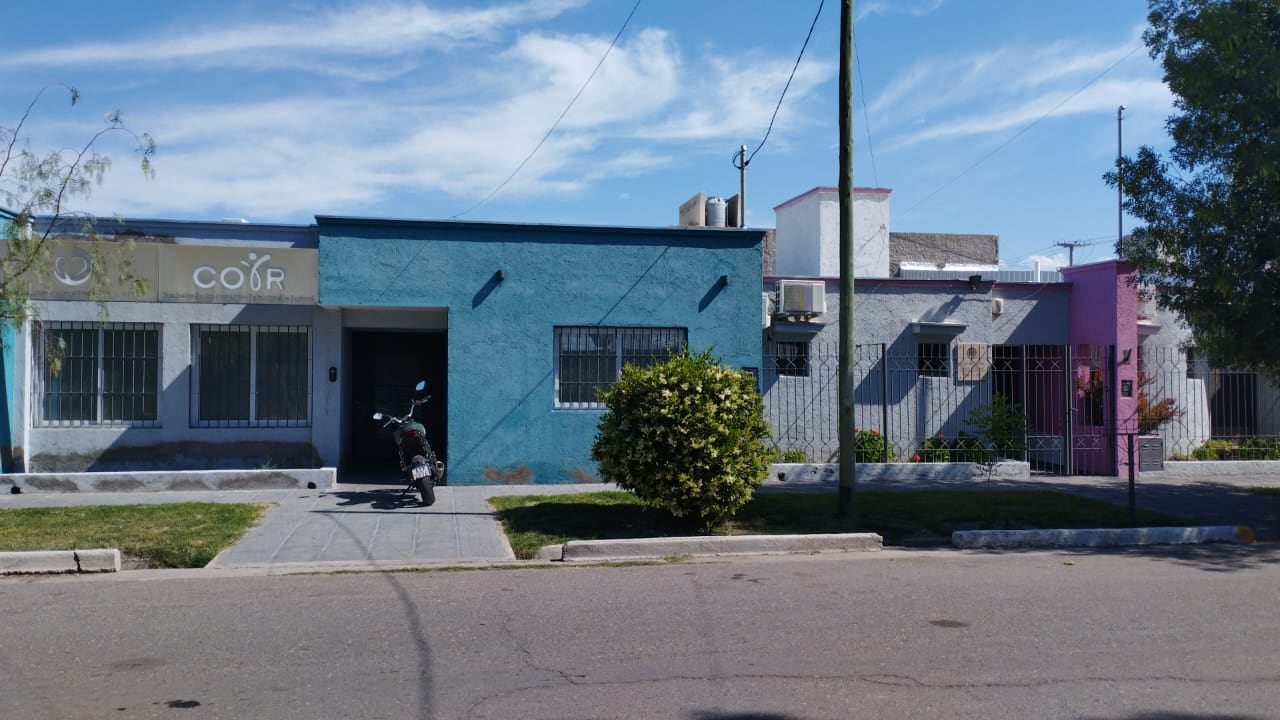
(932, 359)
(589, 359)
(97, 373)
(792, 359)
(251, 375)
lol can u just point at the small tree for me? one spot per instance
(686, 435)
(45, 184)
(1151, 415)
(1001, 428)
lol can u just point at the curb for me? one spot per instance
(1102, 537)
(59, 561)
(649, 548)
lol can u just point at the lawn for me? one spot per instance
(176, 535)
(909, 518)
(1273, 491)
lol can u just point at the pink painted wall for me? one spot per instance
(1104, 311)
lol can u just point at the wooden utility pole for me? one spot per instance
(848, 456)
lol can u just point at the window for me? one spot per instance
(97, 373)
(591, 358)
(932, 359)
(792, 359)
(251, 375)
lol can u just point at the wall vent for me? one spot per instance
(973, 361)
(802, 297)
(997, 306)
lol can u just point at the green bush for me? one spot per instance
(869, 446)
(686, 435)
(1253, 448)
(794, 456)
(933, 450)
(939, 448)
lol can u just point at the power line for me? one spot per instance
(866, 119)
(556, 124)
(778, 107)
(1027, 127)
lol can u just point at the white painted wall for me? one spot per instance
(808, 234)
(174, 399)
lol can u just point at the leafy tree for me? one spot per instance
(1210, 238)
(46, 185)
(686, 435)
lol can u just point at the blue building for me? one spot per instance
(514, 325)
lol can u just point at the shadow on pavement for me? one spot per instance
(1210, 558)
(741, 716)
(380, 499)
(1165, 715)
(1204, 502)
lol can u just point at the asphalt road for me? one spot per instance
(1153, 633)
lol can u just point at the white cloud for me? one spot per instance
(885, 7)
(1004, 89)
(1047, 262)
(381, 30)
(307, 152)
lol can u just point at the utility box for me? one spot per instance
(1150, 453)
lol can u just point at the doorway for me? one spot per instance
(385, 366)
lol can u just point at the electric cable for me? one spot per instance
(556, 124)
(1027, 127)
(778, 107)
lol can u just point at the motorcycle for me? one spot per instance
(418, 462)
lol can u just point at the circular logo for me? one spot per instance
(74, 269)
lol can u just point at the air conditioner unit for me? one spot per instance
(802, 297)
(997, 306)
(973, 361)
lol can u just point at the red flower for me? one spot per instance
(939, 436)
(877, 432)
(915, 458)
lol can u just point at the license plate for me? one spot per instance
(421, 471)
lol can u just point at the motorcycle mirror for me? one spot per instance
(377, 416)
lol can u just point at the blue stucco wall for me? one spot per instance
(8, 415)
(502, 427)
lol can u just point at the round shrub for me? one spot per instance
(687, 435)
(869, 446)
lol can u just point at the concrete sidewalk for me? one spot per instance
(349, 526)
(362, 526)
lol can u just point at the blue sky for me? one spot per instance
(280, 111)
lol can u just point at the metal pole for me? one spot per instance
(742, 187)
(848, 456)
(884, 399)
(1119, 187)
(1133, 493)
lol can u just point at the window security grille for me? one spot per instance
(792, 359)
(97, 374)
(932, 359)
(251, 376)
(589, 359)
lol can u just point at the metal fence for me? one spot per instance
(1206, 413)
(924, 403)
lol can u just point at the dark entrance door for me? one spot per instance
(384, 368)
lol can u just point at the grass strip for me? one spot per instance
(1273, 491)
(174, 535)
(906, 518)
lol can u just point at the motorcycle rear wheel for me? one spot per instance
(428, 493)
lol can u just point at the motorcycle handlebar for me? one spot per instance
(413, 405)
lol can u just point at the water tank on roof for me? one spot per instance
(715, 212)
